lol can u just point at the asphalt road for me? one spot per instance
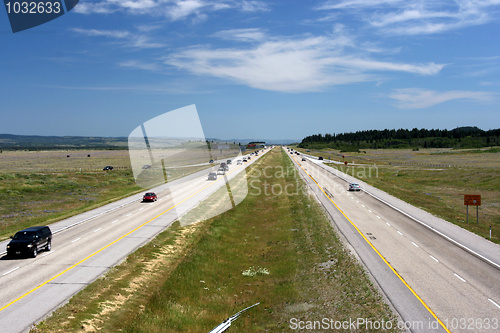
(84, 247)
(434, 282)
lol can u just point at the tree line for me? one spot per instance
(461, 137)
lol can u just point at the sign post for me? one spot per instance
(472, 200)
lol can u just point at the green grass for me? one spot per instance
(204, 278)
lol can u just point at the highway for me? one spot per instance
(434, 282)
(85, 246)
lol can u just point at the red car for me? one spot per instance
(150, 196)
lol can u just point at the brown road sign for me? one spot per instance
(472, 200)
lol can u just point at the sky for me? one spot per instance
(254, 69)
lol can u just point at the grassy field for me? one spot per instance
(434, 180)
(274, 248)
(42, 187)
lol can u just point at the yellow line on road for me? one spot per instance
(105, 247)
(380, 255)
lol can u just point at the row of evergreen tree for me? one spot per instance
(461, 137)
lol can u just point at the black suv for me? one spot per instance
(29, 241)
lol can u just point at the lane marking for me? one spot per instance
(415, 244)
(399, 232)
(459, 277)
(141, 208)
(110, 244)
(48, 253)
(434, 259)
(76, 240)
(370, 211)
(128, 214)
(474, 253)
(114, 221)
(378, 216)
(383, 258)
(96, 230)
(8, 272)
(494, 303)
(388, 224)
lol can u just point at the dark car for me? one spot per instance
(224, 166)
(303, 159)
(150, 196)
(212, 176)
(29, 241)
(229, 162)
(145, 166)
(211, 161)
(320, 158)
(108, 167)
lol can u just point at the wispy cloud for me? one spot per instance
(404, 17)
(174, 10)
(130, 39)
(141, 65)
(290, 64)
(416, 98)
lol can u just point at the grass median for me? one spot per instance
(276, 247)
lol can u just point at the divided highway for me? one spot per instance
(85, 246)
(433, 282)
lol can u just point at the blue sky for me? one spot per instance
(254, 69)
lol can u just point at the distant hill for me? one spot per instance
(36, 142)
(460, 137)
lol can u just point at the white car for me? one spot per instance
(354, 187)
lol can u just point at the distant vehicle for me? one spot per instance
(221, 171)
(211, 161)
(245, 159)
(249, 158)
(239, 162)
(354, 187)
(320, 158)
(150, 196)
(303, 159)
(29, 241)
(145, 166)
(212, 176)
(224, 166)
(297, 153)
(229, 162)
(108, 167)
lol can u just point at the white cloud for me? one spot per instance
(415, 98)
(246, 35)
(174, 10)
(290, 64)
(135, 40)
(119, 34)
(140, 65)
(404, 17)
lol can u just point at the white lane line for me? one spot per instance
(128, 214)
(141, 208)
(458, 276)
(47, 253)
(370, 211)
(362, 205)
(494, 303)
(434, 259)
(114, 221)
(10, 271)
(415, 244)
(378, 217)
(388, 224)
(399, 232)
(96, 230)
(76, 240)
